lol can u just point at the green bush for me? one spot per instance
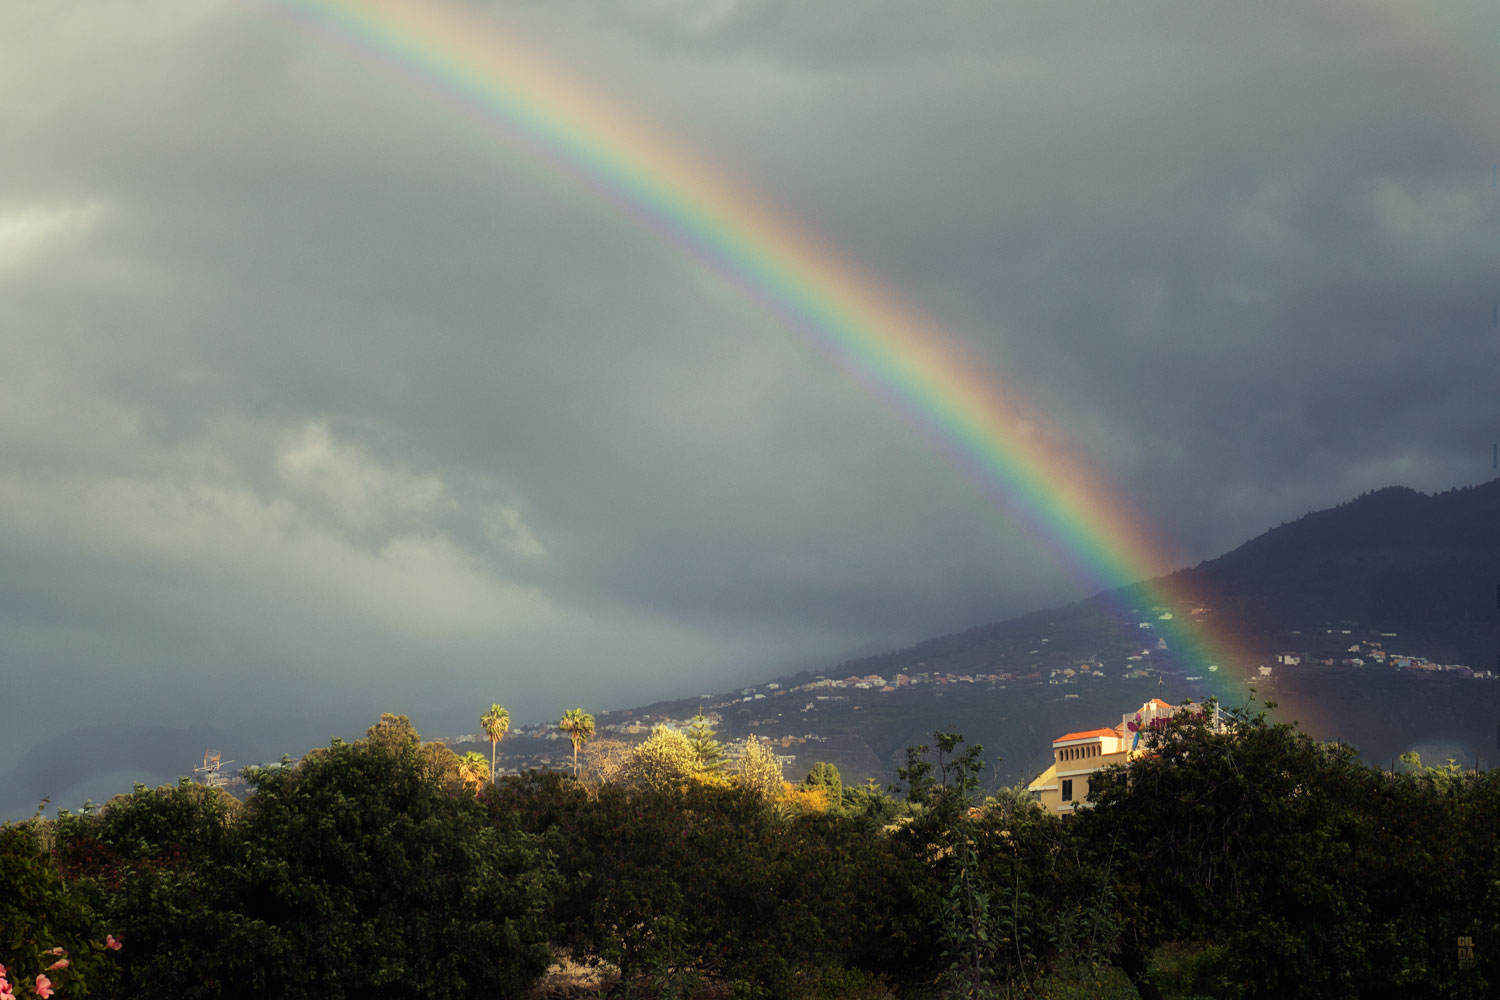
(40, 912)
(824, 982)
(677, 883)
(360, 873)
(1318, 876)
(369, 871)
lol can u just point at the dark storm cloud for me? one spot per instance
(316, 390)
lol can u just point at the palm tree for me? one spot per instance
(472, 770)
(579, 726)
(496, 723)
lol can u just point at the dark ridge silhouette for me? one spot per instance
(1424, 566)
(55, 768)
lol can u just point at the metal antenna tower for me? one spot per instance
(212, 762)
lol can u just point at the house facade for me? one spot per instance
(1064, 787)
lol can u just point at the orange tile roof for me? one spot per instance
(1085, 735)
(1158, 703)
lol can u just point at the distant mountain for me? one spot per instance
(1425, 567)
(1410, 572)
(1394, 560)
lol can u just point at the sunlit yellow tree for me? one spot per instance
(472, 770)
(579, 725)
(666, 759)
(758, 768)
(496, 723)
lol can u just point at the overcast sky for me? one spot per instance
(321, 395)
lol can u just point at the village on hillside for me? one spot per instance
(785, 713)
(796, 717)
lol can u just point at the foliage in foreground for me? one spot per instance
(365, 871)
(1252, 863)
(1313, 875)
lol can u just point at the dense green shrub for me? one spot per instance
(1319, 876)
(1254, 863)
(359, 873)
(40, 912)
(675, 883)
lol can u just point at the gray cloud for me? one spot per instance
(318, 388)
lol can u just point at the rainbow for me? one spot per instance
(902, 356)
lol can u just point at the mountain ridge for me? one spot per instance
(1323, 566)
(1390, 560)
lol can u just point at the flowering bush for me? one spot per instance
(43, 985)
(48, 939)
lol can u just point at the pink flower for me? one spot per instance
(43, 986)
(61, 963)
(111, 942)
(59, 950)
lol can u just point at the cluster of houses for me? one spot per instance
(1366, 652)
(1064, 785)
(877, 682)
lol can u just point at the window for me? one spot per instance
(1067, 790)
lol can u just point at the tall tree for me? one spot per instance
(711, 754)
(579, 726)
(826, 776)
(393, 731)
(496, 723)
(363, 877)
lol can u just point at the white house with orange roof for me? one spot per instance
(1064, 787)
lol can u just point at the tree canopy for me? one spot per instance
(496, 723)
(712, 757)
(1252, 862)
(579, 726)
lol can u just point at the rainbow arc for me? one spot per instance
(908, 360)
